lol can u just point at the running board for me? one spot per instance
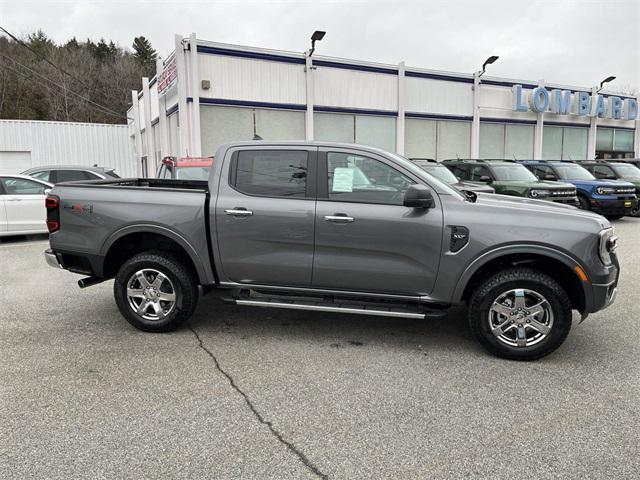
(323, 307)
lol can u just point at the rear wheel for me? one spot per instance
(520, 314)
(155, 291)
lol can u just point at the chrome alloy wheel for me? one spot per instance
(151, 294)
(520, 318)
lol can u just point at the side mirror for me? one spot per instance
(419, 196)
(485, 179)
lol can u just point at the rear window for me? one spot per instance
(73, 175)
(270, 173)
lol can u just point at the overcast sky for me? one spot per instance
(563, 41)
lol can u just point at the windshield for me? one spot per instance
(627, 171)
(513, 173)
(573, 172)
(439, 171)
(192, 173)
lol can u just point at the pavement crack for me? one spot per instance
(292, 448)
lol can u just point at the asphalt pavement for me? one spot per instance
(255, 393)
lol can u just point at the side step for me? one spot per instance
(323, 307)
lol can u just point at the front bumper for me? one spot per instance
(565, 200)
(614, 207)
(604, 294)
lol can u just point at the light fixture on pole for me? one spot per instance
(606, 80)
(488, 61)
(317, 36)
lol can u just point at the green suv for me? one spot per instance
(511, 178)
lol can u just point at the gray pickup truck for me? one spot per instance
(336, 228)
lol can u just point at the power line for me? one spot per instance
(39, 55)
(62, 87)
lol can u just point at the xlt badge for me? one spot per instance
(459, 238)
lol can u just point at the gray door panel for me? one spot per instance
(264, 240)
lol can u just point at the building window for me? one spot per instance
(438, 139)
(614, 143)
(498, 140)
(564, 143)
(371, 130)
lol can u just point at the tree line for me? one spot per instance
(78, 81)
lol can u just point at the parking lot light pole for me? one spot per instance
(475, 125)
(308, 75)
(593, 121)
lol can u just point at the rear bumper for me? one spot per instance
(52, 259)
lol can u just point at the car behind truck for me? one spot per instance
(295, 225)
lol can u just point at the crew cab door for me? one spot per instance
(24, 204)
(264, 215)
(365, 239)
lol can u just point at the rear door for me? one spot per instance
(24, 204)
(264, 215)
(366, 240)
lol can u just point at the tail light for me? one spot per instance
(52, 203)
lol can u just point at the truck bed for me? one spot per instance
(142, 183)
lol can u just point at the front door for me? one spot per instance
(265, 213)
(24, 204)
(366, 240)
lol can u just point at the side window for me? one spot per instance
(271, 173)
(479, 171)
(92, 176)
(354, 178)
(541, 171)
(603, 171)
(70, 175)
(460, 171)
(21, 186)
(43, 175)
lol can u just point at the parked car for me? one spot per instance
(185, 168)
(280, 224)
(615, 170)
(511, 178)
(611, 198)
(22, 210)
(441, 172)
(630, 161)
(70, 173)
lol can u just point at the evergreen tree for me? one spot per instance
(145, 54)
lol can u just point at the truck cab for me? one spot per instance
(609, 197)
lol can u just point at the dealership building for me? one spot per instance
(207, 93)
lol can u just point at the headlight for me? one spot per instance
(536, 193)
(605, 190)
(608, 245)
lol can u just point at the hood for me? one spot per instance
(507, 201)
(474, 187)
(600, 182)
(552, 185)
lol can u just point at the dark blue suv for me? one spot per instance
(611, 198)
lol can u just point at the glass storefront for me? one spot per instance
(371, 130)
(438, 139)
(614, 143)
(564, 143)
(511, 141)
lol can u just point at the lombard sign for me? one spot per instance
(167, 77)
(565, 102)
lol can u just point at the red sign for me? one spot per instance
(167, 77)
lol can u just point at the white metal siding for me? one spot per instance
(426, 95)
(252, 80)
(66, 143)
(338, 87)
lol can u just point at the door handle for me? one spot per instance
(239, 212)
(339, 218)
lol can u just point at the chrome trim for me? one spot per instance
(338, 219)
(51, 259)
(238, 213)
(323, 308)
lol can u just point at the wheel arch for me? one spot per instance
(554, 263)
(134, 239)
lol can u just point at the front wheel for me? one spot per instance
(584, 203)
(520, 314)
(155, 291)
(614, 217)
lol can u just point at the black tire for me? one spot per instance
(584, 203)
(492, 288)
(614, 217)
(181, 280)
